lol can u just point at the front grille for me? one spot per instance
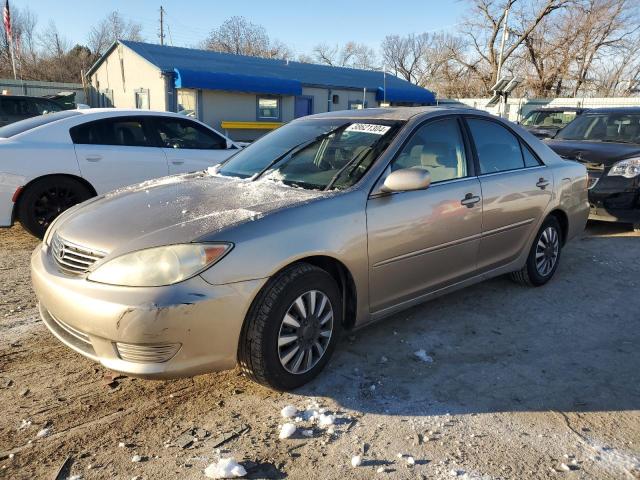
(73, 259)
(149, 353)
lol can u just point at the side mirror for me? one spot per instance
(406, 180)
(230, 144)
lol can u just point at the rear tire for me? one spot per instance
(544, 255)
(45, 199)
(270, 335)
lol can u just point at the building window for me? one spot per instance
(188, 102)
(142, 98)
(269, 108)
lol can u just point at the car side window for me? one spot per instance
(123, 131)
(437, 147)
(498, 149)
(46, 106)
(180, 133)
(530, 160)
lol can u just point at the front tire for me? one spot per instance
(45, 199)
(636, 227)
(292, 328)
(544, 256)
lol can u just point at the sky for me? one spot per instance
(300, 24)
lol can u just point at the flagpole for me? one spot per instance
(6, 20)
(13, 56)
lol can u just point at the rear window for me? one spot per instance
(34, 122)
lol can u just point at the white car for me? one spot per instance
(52, 162)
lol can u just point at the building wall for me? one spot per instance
(39, 89)
(517, 108)
(124, 79)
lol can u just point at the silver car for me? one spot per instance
(324, 225)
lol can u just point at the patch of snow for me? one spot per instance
(24, 424)
(289, 411)
(326, 420)
(356, 461)
(136, 458)
(411, 461)
(287, 430)
(225, 468)
(44, 432)
(422, 356)
(307, 433)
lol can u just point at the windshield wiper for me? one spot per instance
(354, 162)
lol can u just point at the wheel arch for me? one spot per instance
(563, 220)
(25, 187)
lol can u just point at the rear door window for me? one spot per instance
(498, 149)
(122, 131)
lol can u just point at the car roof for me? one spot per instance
(26, 96)
(615, 110)
(557, 109)
(392, 113)
(126, 111)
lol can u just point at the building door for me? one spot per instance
(303, 106)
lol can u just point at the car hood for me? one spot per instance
(175, 209)
(597, 153)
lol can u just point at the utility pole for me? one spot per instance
(161, 25)
(505, 34)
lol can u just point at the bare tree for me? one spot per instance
(111, 28)
(239, 36)
(351, 54)
(483, 27)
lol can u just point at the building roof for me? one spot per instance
(206, 69)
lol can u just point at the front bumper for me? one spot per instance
(614, 199)
(180, 330)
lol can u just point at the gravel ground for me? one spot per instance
(523, 383)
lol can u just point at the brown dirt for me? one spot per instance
(520, 378)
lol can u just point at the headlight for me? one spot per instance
(628, 168)
(159, 266)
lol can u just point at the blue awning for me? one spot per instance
(235, 82)
(413, 94)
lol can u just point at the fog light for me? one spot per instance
(147, 353)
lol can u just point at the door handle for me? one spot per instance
(469, 200)
(542, 183)
(177, 162)
(94, 158)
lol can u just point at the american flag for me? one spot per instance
(6, 17)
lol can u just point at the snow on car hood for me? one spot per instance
(176, 209)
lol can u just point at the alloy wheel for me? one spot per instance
(547, 250)
(305, 332)
(52, 202)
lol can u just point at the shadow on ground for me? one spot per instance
(569, 346)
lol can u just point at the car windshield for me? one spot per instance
(548, 119)
(33, 122)
(314, 154)
(604, 127)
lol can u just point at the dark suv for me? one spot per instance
(607, 142)
(19, 107)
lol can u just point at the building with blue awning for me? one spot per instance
(245, 96)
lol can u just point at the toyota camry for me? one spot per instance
(329, 223)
